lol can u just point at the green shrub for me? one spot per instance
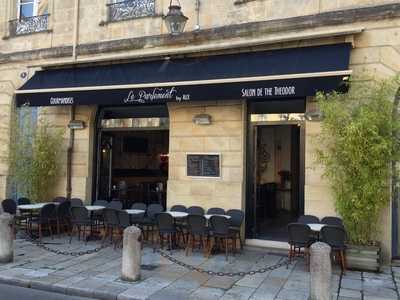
(34, 156)
(357, 148)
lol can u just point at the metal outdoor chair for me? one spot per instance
(81, 221)
(236, 221)
(215, 211)
(97, 216)
(197, 227)
(179, 208)
(166, 229)
(59, 199)
(149, 221)
(24, 216)
(335, 236)
(137, 219)
(9, 206)
(124, 222)
(195, 210)
(63, 215)
(46, 220)
(219, 230)
(76, 202)
(308, 219)
(299, 238)
(111, 223)
(23, 201)
(334, 221)
(115, 204)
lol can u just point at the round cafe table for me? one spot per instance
(316, 227)
(35, 206)
(134, 211)
(208, 217)
(94, 207)
(177, 214)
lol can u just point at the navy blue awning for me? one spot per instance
(295, 72)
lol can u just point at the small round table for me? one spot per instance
(208, 217)
(94, 207)
(316, 227)
(31, 206)
(177, 214)
(134, 211)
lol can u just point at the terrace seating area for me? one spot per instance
(179, 227)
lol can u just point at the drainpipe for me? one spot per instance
(395, 183)
(70, 151)
(76, 30)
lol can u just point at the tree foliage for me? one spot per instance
(34, 156)
(358, 145)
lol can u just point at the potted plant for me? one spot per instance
(358, 144)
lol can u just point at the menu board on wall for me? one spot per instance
(203, 165)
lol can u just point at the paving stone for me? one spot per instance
(110, 290)
(251, 281)
(238, 293)
(380, 292)
(293, 295)
(207, 293)
(221, 282)
(144, 289)
(170, 293)
(350, 293)
(352, 284)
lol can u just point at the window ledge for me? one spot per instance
(105, 23)
(7, 37)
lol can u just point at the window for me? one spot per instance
(32, 8)
(32, 16)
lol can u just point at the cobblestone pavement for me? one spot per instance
(97, 275)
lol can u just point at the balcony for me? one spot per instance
(29, 25)
(130, 9)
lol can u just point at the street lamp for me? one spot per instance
(175, 19)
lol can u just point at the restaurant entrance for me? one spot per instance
(276, 182)
(132, 155)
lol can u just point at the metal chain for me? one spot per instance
(228, 274)
(41, 245)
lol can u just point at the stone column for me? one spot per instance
(131, 254)
(320, 271)
(6, 238)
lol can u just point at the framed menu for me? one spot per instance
(204, 165)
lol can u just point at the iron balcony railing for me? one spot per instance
(28, 25)
(130, 9)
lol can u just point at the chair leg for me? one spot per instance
(343, 261)
(70, 234)
(40, 232)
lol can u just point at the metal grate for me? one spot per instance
(28, 25)
(130, 9)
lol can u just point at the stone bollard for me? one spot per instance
(131, 254)
(320, 271)
(6, 238)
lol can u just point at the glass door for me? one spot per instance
(105, 167)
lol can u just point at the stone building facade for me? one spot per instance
(83, 32)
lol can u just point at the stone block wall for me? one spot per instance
(225, 136)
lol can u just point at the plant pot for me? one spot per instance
(363, 258)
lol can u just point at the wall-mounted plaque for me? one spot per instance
(203, 165)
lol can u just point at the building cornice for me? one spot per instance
(248, 30)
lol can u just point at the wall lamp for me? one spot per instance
(202, 119)
(76, 125)
(175, 19)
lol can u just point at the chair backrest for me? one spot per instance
(59, 199)
(308, 219)
(334, 236)
(101, 203)
(79, 214)
(153, 210)
(180, 208)
(48, 211)
(76, 202)
(334, 221)
(216, 211)
(64, 210)
(165, 222)
(115, 204)
(237, 217)
(139, 205)
(299, 233)
(9, 206)
(219, 225)
(196, 224)
(111, 217)
(123, 219)
(195, 210)
(23, 201)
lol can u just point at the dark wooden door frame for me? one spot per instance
(251, 226)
